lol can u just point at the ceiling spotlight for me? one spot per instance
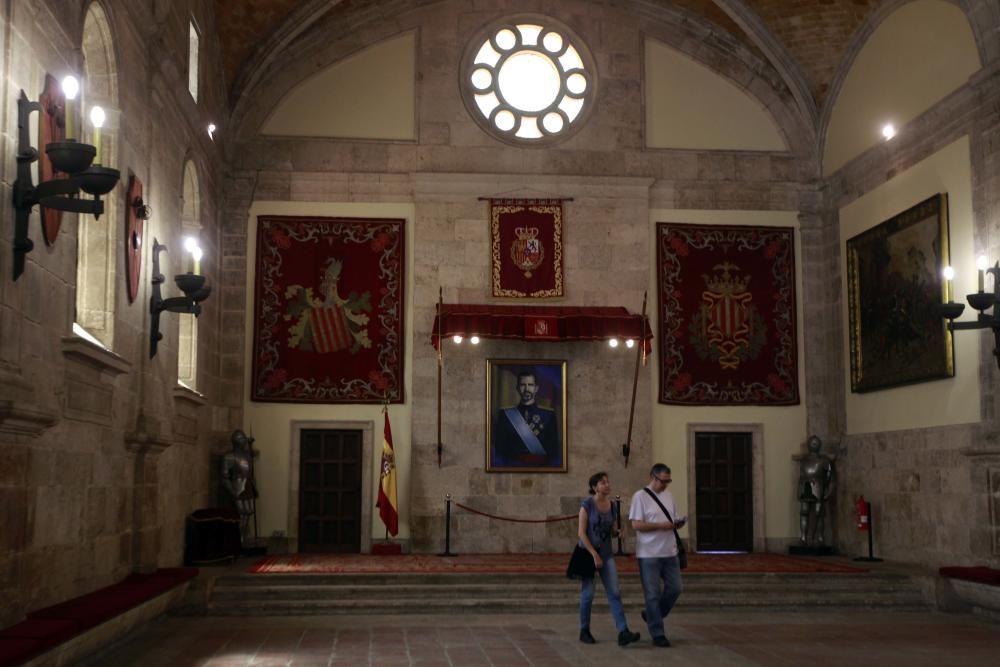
(629, 343)
(474, 340)
(613, 342)
(457, 339)
(888, 131)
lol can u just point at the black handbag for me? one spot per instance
(682, 555)
(581, 564)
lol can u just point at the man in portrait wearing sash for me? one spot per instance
(526, 435)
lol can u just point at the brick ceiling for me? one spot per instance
(814, 32)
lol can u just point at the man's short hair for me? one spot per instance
(658, 469)
(527, 371)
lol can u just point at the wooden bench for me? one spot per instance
(90, 621)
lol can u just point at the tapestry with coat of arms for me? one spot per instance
(328, 320)
(526, 247)
(727, 315)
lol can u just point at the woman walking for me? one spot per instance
(596, 527)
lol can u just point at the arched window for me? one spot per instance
(97, 258)
(187, 354)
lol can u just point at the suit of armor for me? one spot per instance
(817, 478)
(237, 479)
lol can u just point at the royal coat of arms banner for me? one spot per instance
(727, 315)
(527, 247)
(328, 321)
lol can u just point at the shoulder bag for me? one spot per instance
(682, 556)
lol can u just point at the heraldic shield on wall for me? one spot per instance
(328, 324)
(727, 315)
(527, 247)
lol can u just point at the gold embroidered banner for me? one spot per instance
(527, 247)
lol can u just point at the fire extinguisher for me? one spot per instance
(861, 510)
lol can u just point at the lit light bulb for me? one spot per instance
(474, 340)
(211, 131)
(457, 339)
(190, 243)
(97, 117)
(70, 89)
(888, 131)
(949, 273)
(613, 342)
(629, 343)
(982, 263)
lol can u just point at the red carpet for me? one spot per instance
(528, 563)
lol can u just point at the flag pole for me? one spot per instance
(440, 360)
(627, 447)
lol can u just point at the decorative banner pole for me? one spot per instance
(627, 447)
(440, 352)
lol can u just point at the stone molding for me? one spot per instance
(146, 438)
(19, 413)
(189, 395)
(82, 351)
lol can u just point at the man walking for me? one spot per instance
(652, 515)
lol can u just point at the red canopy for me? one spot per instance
(541, 323)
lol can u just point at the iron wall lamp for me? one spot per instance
(191, 284)
(70, 157)
(980, 301)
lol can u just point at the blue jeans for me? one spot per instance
(609, 577)
(661, 586)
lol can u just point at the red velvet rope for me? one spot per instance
(505, 518)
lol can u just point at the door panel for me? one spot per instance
(330, 491)
(724, 491)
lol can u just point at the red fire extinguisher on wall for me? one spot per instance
(861, 510)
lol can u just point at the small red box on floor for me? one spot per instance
(387, 549)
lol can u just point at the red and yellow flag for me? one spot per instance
(387, 507)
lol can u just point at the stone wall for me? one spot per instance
(101, 454)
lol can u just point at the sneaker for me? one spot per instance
(662, 642)
(626, 637)
(586, 637)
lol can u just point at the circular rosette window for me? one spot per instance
(528, 80)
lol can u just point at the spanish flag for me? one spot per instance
(387, 507)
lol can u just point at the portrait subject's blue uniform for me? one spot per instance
(513, 445)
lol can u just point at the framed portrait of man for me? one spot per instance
(525, 415)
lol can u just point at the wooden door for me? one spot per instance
(724, 491)
(330, 491)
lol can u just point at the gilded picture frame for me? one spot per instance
(526, 415)
(895, 282)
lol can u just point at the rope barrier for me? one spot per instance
(506, 518)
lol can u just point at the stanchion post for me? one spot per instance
(447, 527)
(618, 503)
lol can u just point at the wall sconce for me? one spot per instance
(980, 301)
(191, 284)
(70, 157)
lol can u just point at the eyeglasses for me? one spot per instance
(662, 481)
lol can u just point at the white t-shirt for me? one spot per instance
(653, 543)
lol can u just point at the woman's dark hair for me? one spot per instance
(594, 479)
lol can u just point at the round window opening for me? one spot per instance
(528, 80)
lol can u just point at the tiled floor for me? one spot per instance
(717, 639)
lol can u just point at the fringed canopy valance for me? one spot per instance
(541, 323)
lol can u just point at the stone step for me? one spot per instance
(536, 606)
(540, 593)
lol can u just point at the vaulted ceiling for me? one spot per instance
(813, 33)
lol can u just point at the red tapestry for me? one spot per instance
(328, 321)
(527, 247)
(727, 315)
